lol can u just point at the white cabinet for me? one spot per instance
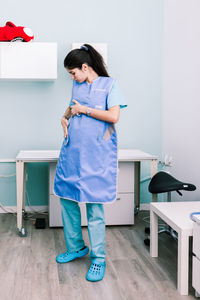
(121, 212)
(28, 61)
(196, 257)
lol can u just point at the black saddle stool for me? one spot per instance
(163, 182)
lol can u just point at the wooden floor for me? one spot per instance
(28, 269)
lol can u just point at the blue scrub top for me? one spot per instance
(115, 97)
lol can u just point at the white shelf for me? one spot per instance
(28, 61)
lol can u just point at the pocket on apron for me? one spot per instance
(66, 140)
(109, 132)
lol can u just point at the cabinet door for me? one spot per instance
(196, 274)
(28, 61)
(196, 239)
(55, 217)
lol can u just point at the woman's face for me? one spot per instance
(79, 75)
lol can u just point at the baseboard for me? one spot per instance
(27, 209)
(145, 206)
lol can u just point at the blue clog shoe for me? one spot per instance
(96, 271)
(69, 256)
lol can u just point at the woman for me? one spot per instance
(87, 165)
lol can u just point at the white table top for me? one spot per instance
(177, 214)
(52, 155)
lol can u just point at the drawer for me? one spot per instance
(55, 215)
(196, 274)
(125, 177)
(196, 239)
(121, 212)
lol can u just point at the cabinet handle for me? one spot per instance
(118, 199)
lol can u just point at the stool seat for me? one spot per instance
(163, 182)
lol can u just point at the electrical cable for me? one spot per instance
(1, 205)
(6, 176)
(6, 210)
(10, 211)
(33, 210)
(148, 222)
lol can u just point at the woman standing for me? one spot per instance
(87, 166)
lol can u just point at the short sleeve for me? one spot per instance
(115, 97)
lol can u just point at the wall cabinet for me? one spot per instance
(28, 61)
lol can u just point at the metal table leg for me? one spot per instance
(183, 263)
(154, 170)
(21, 190)
(137, 186)
(153, 234)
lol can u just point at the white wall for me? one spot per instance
(30, 111)
(181, 91)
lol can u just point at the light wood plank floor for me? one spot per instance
(28, 269)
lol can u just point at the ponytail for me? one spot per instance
(86, 54)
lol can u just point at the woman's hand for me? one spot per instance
(77, 108)
(65, 124)
(111, 115)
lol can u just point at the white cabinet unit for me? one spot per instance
(120, 212)
(28, 61)
(196, 257)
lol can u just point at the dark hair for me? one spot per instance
(88, 55)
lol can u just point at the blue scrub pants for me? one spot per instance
(71, 217)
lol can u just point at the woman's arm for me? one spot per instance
(65, 122)
(67, 113)
(111, 115)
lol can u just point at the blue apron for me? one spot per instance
(87, 165)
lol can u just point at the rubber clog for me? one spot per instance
(96, 271)
(69, 256)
